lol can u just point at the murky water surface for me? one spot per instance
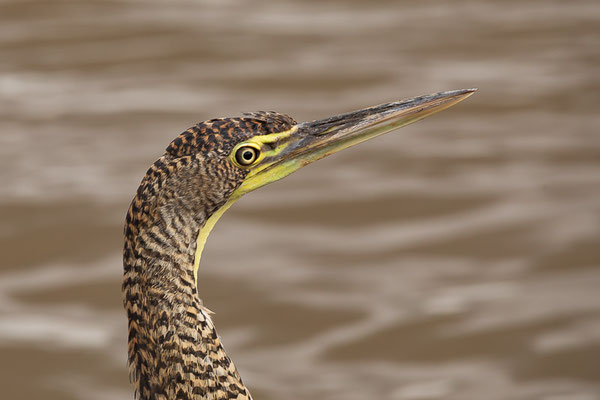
(457, 258)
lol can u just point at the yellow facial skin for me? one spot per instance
(282, 153)
(270, 149)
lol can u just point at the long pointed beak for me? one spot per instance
(330, 135)
(311, 141)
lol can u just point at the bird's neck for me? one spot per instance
(174, 350)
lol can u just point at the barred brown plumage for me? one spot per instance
(174, 351)
(173, 202)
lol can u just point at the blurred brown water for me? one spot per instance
(457, 258)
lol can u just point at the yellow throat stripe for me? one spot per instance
(203, 235)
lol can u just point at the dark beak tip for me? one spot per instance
(450, 96)
(470, 90)
(458, 92)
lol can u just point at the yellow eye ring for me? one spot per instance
(246, 155)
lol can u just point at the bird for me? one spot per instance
(174, 351)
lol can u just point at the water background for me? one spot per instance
(457, 258)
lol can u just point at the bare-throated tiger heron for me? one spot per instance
(174, 351)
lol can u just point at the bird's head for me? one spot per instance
(264, 147)
(210, 166)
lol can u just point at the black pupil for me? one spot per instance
(248, 155)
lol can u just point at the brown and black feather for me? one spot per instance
(174, 351)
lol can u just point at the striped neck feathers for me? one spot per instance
(174, 350)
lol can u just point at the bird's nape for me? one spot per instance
(174, 349)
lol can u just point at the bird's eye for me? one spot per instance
(246, 155)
